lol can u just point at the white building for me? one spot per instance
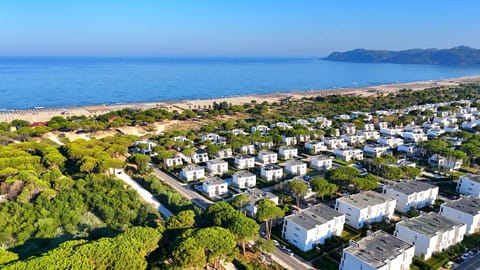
(390, 131)
(248, 149)
(296, 167)
(244, 179)
(445, 163)
(375, 150)
(144, 147)
(335, 143)
(287, 152)
(369, 134)
(414, 137)
(353, 139)
(193, 172)
(254, 195)
(315, 147)
(411, 194)
(244, 162)
(213, 137)
(348, 154)
(469, 184)
(407, 148)
(382, 125)
(390, 141)
(271, 172)
(215, 187)
(366, 207)
(321, 163)
(200, 156)
(430, 233)
(217, 166)
(173, 162)
(281, 125)
(267, 157)
(348, 128)
(260, 128)
(289, 140)
(321, 122)
(225, 153)
(435, 132)
(312, 226)
(377, 251)
(369, 127)
(465, 210)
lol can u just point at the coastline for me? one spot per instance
(45, 114)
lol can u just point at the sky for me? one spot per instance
(231, 28)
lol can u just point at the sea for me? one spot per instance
(73, 81)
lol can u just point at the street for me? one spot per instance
(289, 262)
(470, 264)
(145, 194)
(183, 189)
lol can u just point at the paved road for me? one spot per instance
(147, 196)
(183, 189)
(289, 262)
(471, 264)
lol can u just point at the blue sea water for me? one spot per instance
(60, 82)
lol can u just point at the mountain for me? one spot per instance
(458, 56)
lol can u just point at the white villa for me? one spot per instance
(312, 226)
(244, 162)
(215, 187)
(271, 172)
(244, 179)
(411, 194)
(296, 167)
(366, 207)
(193, 172)
(378, 250)
(430, 233)
(465, 210)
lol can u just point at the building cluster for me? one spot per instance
(295, 156)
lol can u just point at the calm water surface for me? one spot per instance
(59, 82)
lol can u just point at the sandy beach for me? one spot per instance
(45, 114)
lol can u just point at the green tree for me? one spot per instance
(241, 201)
(182, 220)
(299, 188)
(322, 187)
(244, 229)
(189, 254)
(267, 211)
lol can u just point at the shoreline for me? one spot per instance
(40, 114)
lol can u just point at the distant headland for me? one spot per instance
(457, 56)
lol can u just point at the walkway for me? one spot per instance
(145, 194)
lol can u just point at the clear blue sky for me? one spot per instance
(231, 28)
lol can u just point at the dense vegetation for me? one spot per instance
(460, 55)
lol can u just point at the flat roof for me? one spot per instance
(215, 181)
(315, 215)
(473, 177)
(378, 248)
(295, 162)
(192, 168)
(365, 199)
(271, 167)
(216, 161)
(411, 187)
(467, 204)
(256, 194)
(266, 152)
(429, 224)
(243, 174)
(284, 148)
(243, 156)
